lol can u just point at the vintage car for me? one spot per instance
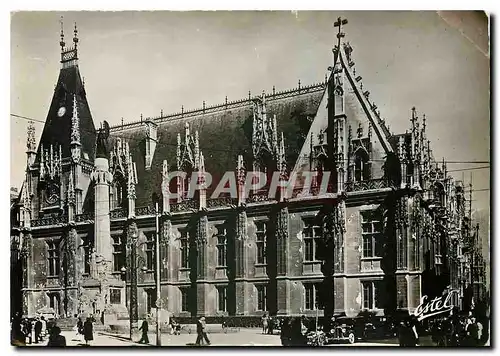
(343, 330)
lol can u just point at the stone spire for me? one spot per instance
(202, 181)
(69, 55)
(31, 144)
(165, 189)
(241, 177)
(75, 132)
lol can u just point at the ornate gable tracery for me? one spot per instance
(124, 175)
(265, 144)
(50, 175)
(189, 160)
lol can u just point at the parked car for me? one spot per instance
(341, 331)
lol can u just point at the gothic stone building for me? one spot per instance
(385, 230)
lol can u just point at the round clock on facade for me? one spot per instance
(61, 112)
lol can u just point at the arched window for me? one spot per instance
(118, 193)
(361, 166)
(439, 194)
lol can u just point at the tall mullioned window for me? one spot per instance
(87, 257)
(372, 233)
(150, 249)
(222, 247)
(372, 292)
(53, 258)
(262, 297)
(311, 236)
(221, 299)
(184, 249)
(261, 241)
(184, 299)
(361, 166)
(118, 260)
(311, 296)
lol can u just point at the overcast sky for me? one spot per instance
(143, 62)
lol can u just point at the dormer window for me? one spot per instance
(118, 195)
(361, 166)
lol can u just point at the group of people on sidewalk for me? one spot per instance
(28, 330)
(85, 329)
(453, 331)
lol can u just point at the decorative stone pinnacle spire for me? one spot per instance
(30, 140)
(75, 38)
(75, 123)
(62, 43)
(164, 186)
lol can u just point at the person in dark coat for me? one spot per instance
(285, 332)
(145, 328)
(88, 330)
(27, 330)
(18, 337)
(472, 333)
(55, 338)
(38, 330)
(270, 329)
(201, 330)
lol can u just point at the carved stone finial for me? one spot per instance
(75, 38)
(30, 140)
(62, 44)
(75, 123)
(360, 130)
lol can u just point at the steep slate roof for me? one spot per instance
(57, 130)
(359, 111)
(225, 131)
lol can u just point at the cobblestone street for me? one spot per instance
(243, 337)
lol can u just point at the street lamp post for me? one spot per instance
(133, 284)
(157, 272)
(132, 306)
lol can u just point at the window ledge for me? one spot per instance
(312, 262)
(261, 265)
(52, 277)
(220, 267)
(371, 258)
(184, 269)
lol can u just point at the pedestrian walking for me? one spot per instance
(38, 330)
(55, 338)
(201, 330)
(88, 331)
(144, 327)
(479, 331)
(79, 328)
(270, 327)
(265, 321)
(27, 330)
(44, 328)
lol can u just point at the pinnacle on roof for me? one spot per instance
(69, 55)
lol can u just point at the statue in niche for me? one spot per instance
(102, 145)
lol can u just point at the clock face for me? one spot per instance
(61, 112)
